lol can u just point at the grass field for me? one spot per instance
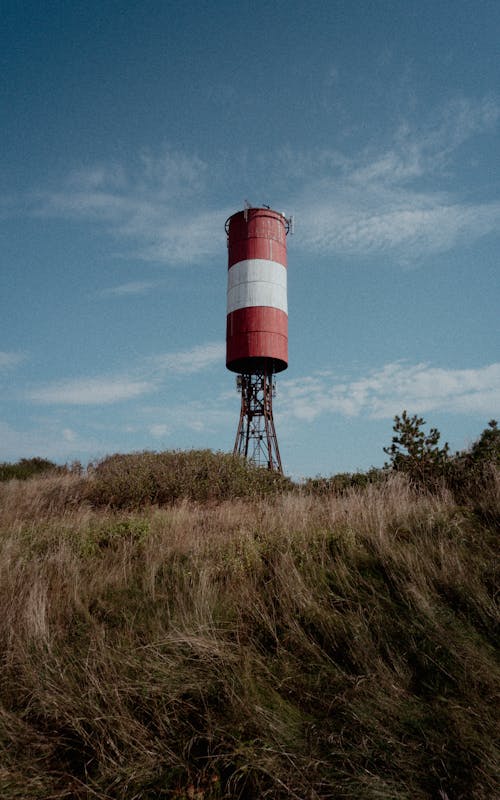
(278, 645)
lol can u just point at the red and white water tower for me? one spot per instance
(257, 325)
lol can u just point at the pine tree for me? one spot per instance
(416, 453)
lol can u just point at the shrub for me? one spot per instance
(473, 477)
(26, 468)
(139, 479)
(342, 482)
(487, 448)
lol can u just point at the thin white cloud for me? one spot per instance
(407, 225)
(193, 360)
(144, 378)
(46, 441)
(90, 391)
(208, 415)
(98, 176)
(156, 203)
(159, 430)
(387, 391)
(430, 148)
(375, 203)
(161, 232)
(173, 174)
(185, 238)
(398, 199)
(460, 120)
(198, 416)
(8, 360)
(130, 288)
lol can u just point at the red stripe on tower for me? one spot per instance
(257, 313)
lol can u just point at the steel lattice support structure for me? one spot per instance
(256, 436)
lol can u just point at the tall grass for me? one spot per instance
(288, 646)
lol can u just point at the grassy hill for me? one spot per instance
(251, 642)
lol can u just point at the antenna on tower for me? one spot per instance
(289, 222)
(246, 206)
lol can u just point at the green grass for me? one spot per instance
(282, 645)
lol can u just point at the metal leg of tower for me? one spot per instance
(256, 436)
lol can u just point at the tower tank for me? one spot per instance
(257, 311)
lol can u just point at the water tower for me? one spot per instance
(257, 325)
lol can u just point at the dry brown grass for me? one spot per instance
(286, 647)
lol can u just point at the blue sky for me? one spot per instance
(131, 131)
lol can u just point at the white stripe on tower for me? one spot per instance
(257, 282)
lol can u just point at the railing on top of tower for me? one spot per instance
(289, 222)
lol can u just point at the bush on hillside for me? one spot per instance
(474, 472)
(342, 482)
(487, 447)
(140, 479)
(471, 475)
(27, 468)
